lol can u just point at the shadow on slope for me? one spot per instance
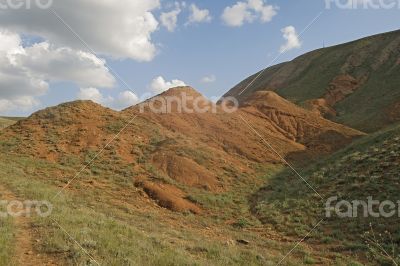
(367, 168)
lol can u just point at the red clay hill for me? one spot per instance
(173, 152)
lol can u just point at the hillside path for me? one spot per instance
(26, 251)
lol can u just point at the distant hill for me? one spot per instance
(8, 121)
(356, 83)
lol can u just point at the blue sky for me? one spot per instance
(230, 54)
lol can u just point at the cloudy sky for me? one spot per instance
(118, 52)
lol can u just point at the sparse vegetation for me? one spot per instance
(368, 167)
(202, 189)
(8, 121)
(371, 61)
(117, 233)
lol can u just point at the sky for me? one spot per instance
(120, 52)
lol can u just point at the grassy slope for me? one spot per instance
(117, 231)
(308, 77)
(369, 167)
(8, 121)
(118, 223)
(109, 217)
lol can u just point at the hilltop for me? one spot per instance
(355, 84)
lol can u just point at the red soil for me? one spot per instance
(170, 197)
(193, 149)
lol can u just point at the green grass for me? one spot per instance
(373, 59)
(7, 121)
(6, 239)
(119, 225)
(121, 233)
(368, 167)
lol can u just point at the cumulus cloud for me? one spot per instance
(292, 39)
(170, 19)
(159, 84)
(92, 94)
(25, 72)
(65, 64)
(198, 15)
(249, 11)
(126, 99)
(123, 100)
(209, 79)
(22, 103)
(118, 30)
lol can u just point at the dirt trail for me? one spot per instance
(26, 253)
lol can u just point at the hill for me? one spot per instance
(355, 84)
(366, 169)
(8, 121)
(199, 150)
(140, 180)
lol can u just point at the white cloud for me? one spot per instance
(237, 14)
(159, 84)
(209, 79)
(292, 39)
(242, 12)
(198, 15)
(22, 103)
(18, 86)
(266, 12)
(170, 19)
(25, 73)
(125, 99)
(121, 29)
(92, 94)
(65, 64)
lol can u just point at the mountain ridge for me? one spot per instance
(185, 150)
(335, 81)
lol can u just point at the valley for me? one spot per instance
(249, 187)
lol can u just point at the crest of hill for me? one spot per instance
(173, 99)
(177, 91)
(355, 83)
(67, 128)
(85, 124)
(80, 109)
(274, 101)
